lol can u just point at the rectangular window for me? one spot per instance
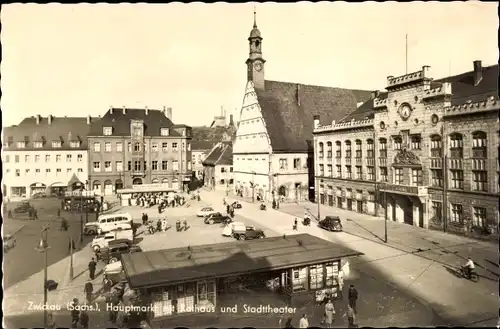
(97, 147)
(58, 158)
(415, 143)
(456, 213)
(7, 158)
(359, 172)
(47, 171)
(230, 169)
(18, 172)
(383, 148)
(417, 177)
(283, 164)
(437, 177)
(80, 169)
(457, 179)
(348, 172)
(16, 158)
(39, 145)
(299, 279)
(329, 150)
(397, 142)
(222, 169)
(129, 165)
(320, 150)
(56, 144)
(371, 173)
(339, 171)
(119, 166)
(436, 147)
(175, 147)
(26, 158)
(478, 217)
(37, 158)
(129, 147)
(164, 131)
(107, 166)
(164, 147)
(437, 211)
(358, 150)
(119, 147)
(383, 174)
(398, 176)
(137, 165)
(26, 171)
(154, 147)
(338, 150)
(154, 165)
(330, 171)
(322, 170)
(175, 165)
(316, 276)
(332, 272)
(107, 147)
(164, 165)
(97, 166)
(107, 131)
(145, 165)
(296, 163)
(68, 157)
(369, 149)
(479, 181)
(79, 158)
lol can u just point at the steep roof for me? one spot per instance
(288, 110)
(220, 155)
(462, 87)
(202, 145)
(61, 129)
(153, 119)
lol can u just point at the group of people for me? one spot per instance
(160, 199)
(84, 204)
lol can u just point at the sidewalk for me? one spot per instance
(459, 301)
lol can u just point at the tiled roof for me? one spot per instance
(202, 145)
(61, 129)
(154, 120)
(221, 154)
(462, 87)
(288, 110)
(171, 266)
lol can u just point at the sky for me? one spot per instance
(76, 60)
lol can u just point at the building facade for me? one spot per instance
(40, 155)
(199, 152)
(428, 149)
(273, 149)
(218, 167)
(138, 146)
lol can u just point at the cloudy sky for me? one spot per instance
(80, 59)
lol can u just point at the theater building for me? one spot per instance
(273, 149)
(41, 155)
(428, 147)
(130, 147)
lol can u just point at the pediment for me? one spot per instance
(406, 158)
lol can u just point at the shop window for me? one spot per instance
(316, 277)
(332, 272)
(299, 278)
(162, 301)
(479, 217)
(206, 294)
(185, 297)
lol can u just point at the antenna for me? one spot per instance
(406, 53)
(254, 17)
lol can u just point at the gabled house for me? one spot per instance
(218, 167)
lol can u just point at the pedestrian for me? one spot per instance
(134, 229)
(351, 317)
(295, 223)
(88, 290)
(75, 314)
(9, 214)
(353, 297)
(35, 214)
(144, 218)
(92, 268)
(58, 212)
(185, 225)
(84, 319)
(228, 209)
(106, 284)
(304, 323)
(64, 224)
(329, 313)
(30, 213)
(341, 283)
(51, 324)
(288, 323)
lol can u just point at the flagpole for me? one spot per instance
(406, 53)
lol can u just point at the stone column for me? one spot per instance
(416, 207)
(400, 213)
(389, 211)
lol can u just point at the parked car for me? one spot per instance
(114, 272)
(9, 242)
(234, 226)
(236, 205)
(217, 218)
(114, 250)
(250, 233)
(331, 223)
(22, 208)
(206, 211)
(91, 229)
(102, 241)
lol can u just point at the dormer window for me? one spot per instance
(74, 144)
(107, 131)
(164, 131)
(21, 145)
(56, 144)
(37, 145)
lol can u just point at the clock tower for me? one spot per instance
(255, 62)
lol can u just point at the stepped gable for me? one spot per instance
(288, 110)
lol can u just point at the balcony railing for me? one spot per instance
(404, 189)
(437, 163)
(457, 164)
(382, 162)
(370, 162)
(359, 161)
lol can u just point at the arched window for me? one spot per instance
(397, 142)
(369, 148)
(479, 145)
(338, 149)
(359, 152)
(320, 149)
(436, 146)
(456, 146)
(329, 150)
(348, 151)
(137, 147)
(382, 147)
(415, 142)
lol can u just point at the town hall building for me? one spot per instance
(273, 149)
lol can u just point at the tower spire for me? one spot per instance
(254, 17)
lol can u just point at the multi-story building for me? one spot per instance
(273, 149)
(138, 146)
(428, 149)
(41, 155)
(199, 152)
(218, 167)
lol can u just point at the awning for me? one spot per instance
(38, 185)
(58, 184)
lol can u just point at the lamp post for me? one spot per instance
(253, 186)
(81, 213)
(71, 258)
(86, 207)
(44, 247)
(384, 186)
(319, 200)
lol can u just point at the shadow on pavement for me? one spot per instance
(365, 229)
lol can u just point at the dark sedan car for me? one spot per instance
(331, 223)
(250, 233)
(217, 218)
(115, 249)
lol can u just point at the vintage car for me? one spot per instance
(114, 250)
(206, 211)
(91, 228)
(231, 227)
(22, 208)
(331, 223)
(114, 272)
(250, 233)
(217, 218)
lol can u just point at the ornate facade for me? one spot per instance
(427, 150)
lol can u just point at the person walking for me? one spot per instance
(75, 314)
(295, 224)
(35, 214)
(341, 283)
(106, 284)
(353, 297)
(88, 290)
(92, 268)
(329, 313)
(51, 324)
(288, 323)
(84, 319)
(144, 218)
(304, 322)
(351, 317)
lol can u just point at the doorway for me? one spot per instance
(339, 202)
(359, 206)
(330, 200)
(349, 204)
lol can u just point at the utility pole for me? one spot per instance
(444, 206)
(386, 215)
(43, 247)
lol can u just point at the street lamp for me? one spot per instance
(81, 213)
(384, 187)
(71, 258)
(253, 186)
(43, 247)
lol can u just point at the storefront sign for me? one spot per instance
(149, 186)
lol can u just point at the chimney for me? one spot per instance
(49, 118)
(478, 72)
(124, 110)
(316, 121)
(169, 113)
(38, 119)
(88, 119)
(146, 110)
(298, 94)
(231, 121)
(111, 109)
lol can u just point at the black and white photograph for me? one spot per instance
(266, 165)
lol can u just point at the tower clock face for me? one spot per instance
(405, 111)
(258, 66)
